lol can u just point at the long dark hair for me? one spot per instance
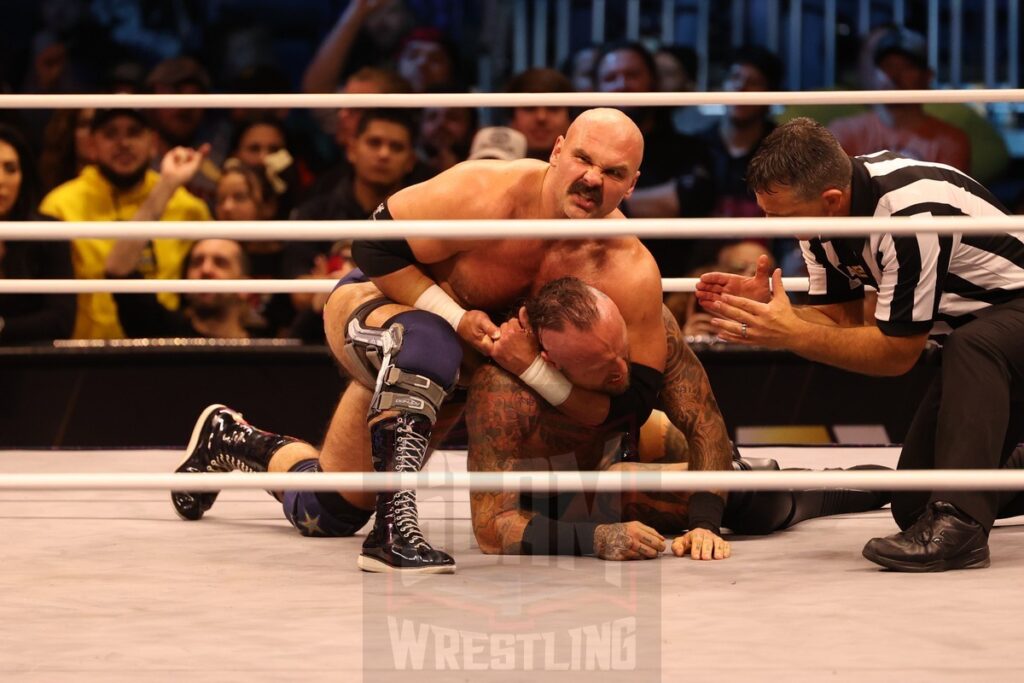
(27, 203)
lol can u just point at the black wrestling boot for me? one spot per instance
(396, 544)
(223, 442)
(942, 538)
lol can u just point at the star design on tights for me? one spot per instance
(311, 524)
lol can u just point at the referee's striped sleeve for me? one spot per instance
(910, 279)
(827, 285)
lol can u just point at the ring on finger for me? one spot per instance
(743, 330)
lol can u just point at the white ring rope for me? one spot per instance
(694, 228)
(579, 99)
(255, 286)
(874, 480)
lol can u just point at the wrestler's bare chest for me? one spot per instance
(494, 277)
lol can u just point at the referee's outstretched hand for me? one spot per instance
(713, 285)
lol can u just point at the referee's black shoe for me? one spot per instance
(942, 538)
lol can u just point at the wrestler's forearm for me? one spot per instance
(403, 286)
(497, 528)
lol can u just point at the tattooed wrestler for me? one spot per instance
(581, 331)
(404, 335)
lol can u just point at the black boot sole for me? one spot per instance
(373, 565)
(189, 450)
(976, 559)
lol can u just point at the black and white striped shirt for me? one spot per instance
(926, 283)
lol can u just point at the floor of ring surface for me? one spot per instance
(112, 586)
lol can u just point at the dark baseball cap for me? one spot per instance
(903, 41)
(104, 116)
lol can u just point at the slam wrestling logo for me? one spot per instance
(502, 613)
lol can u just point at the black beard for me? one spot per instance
(123, 181)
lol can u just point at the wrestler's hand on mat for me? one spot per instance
(477, 330)
(516, 346)
(701, 544)
(743, 321)
(713, 285)
(627, 541)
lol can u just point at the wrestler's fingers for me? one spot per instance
(650, 531)
(726, 549)
(680, 545)
(696, 545)
(708, 550)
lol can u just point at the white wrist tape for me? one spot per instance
(437, 301)
(543, 378)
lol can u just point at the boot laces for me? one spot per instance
(410, 448)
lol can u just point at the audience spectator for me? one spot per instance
(29, 318)
(366, 34)
(115, 188)
(182, 126)
(261, 142)
(901, 60)
(445, 136)
(67, 146)
(733, 141)
(382, 156)
(260, 192)
(211, 315)
(429, 61)
(368, 80)
(579, 68)
(677, 72)
(498, 142)
(675, 176)
(540, 124)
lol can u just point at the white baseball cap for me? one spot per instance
(498, 142)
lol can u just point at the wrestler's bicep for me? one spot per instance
(434, 251)
(647, 345)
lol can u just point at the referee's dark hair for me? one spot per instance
(803, 155)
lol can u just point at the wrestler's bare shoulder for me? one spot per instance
(472, 189)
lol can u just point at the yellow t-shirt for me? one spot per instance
(91, 197)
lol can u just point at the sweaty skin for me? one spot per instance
(590, 171)
(511, 428)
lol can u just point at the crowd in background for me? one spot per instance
(275, 163)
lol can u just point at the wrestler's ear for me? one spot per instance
(556, 151)
(632, 186)
(524, 319)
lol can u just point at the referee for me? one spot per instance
(965, 292)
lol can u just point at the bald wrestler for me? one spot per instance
(582, 332)
(404, 336)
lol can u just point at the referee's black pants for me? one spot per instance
(972, 415)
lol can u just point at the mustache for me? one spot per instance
(594, 194)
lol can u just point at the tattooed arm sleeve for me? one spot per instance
(501, 413)
(690, 405)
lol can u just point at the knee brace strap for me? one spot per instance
(420, 363)
(406, 391)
